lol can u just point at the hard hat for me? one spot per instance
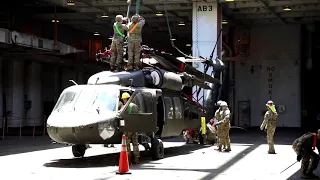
(223, 103)
(119, 18)
(269, 103)
(135, 18)
(125, 95)
(219, 102)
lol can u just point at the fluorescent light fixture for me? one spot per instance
(188, 45)
(287, 8)
(181, 23)
(224, 22)
(96, 34)
(70, 3)
(111, 37)
(54, 20)
(229, 0)
(104, 15)
(159, 14)
(172, 39)
(163, 52)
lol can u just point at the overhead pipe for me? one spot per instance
(55, 30)
(137, 6)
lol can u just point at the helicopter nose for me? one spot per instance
(79, 127)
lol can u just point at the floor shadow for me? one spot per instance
(113, 158)
(16, 145)
(213, 172)
(252, 135)
(295, 176)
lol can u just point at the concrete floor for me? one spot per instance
(28, 158)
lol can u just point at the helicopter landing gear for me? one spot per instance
(79, 150)
(146, 146)
(157, 149)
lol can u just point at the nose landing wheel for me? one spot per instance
(79, 150)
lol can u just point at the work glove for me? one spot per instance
(261, 128)
(299, 157)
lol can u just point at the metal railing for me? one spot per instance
(5, 127)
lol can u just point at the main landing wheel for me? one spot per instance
(157, 149)
(79, 150)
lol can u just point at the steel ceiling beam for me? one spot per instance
(266, 3)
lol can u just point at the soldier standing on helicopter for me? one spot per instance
(117, 43)
(134, 41)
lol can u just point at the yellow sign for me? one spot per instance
(203, 125)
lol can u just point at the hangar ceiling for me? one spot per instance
(98, 15)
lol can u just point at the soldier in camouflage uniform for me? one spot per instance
(131, 136)
(224, 123)
(218, 118)
(304, 147)
(134, 41)
(270, 123)
(117, 43)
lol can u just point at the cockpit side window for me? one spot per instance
(169, 108)
(178, 109)
(66, 98)
(141, 103)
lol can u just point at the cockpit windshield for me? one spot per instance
(105, 100)
(67, 97)
(90, 99)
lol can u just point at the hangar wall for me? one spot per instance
(272, 71)
(39, 83)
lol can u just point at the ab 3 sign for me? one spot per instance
(204, 8)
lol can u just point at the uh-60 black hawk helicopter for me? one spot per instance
(88, 114)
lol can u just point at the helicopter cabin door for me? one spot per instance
(140, 112)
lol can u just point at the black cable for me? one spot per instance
(170, 34)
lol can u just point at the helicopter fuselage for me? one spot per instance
(89, 114)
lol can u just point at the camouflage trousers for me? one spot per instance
(116, 53)
(270, 134)
(132, 137)
(134, 50)
(223, 138)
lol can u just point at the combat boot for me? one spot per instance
(129, 67)
(136, 67)
(313, 176)
(272, 152)
(136, 160)
(112, 68)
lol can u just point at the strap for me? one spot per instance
(314, 141)
(130, 108)
(118, 31)
(133, 28)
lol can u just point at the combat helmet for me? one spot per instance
(135, 18)
(119, 18)
(223, 103)
(219, 103)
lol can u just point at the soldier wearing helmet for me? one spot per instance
(134, 41)
(224, 127)
(131, 136)
(304, 147)
(117, 43)
(270, 123)
(218, 117)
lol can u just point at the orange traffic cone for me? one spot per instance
(123, 161)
